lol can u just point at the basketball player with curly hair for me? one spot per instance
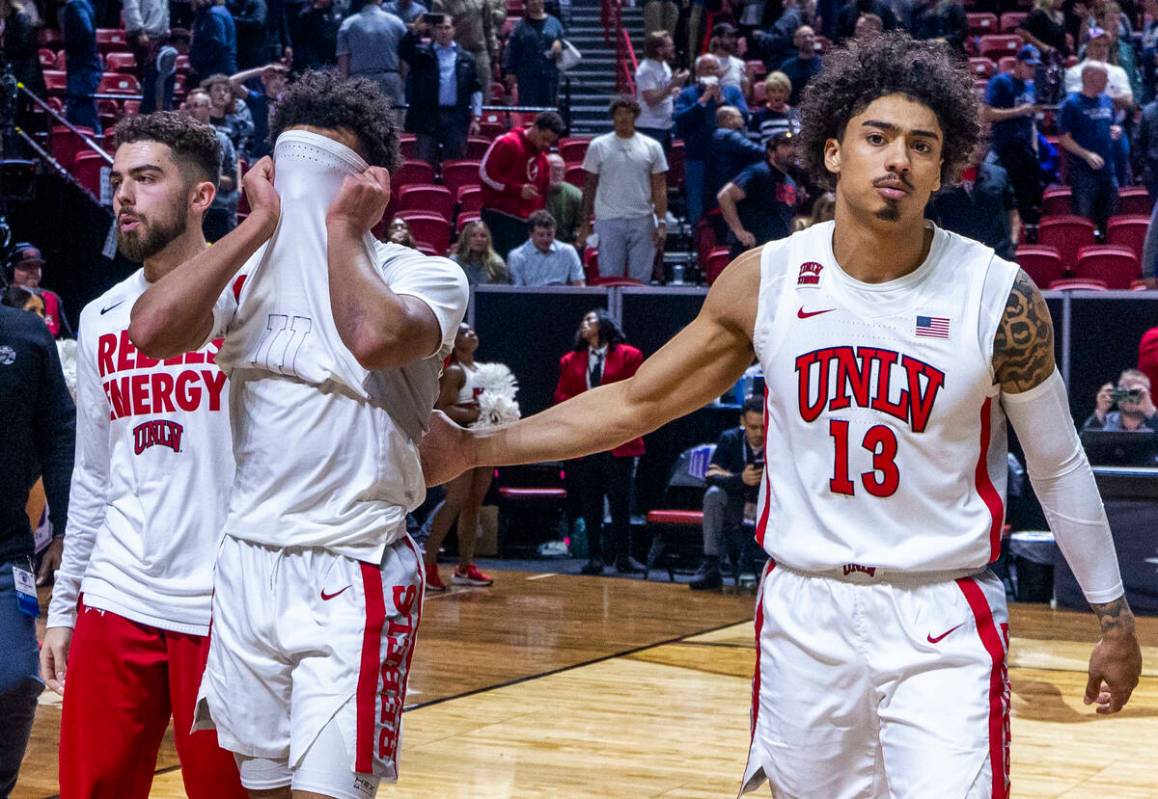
(895, 355)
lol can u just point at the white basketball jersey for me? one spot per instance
(326, 450)
(885, 442)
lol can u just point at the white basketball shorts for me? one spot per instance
(302, 640)
(875, 686)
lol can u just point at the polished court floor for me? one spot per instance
(569, 687)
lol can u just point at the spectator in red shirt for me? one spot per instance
(1148, 355)
(515, 178)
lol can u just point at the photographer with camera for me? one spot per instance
(1135, 407)
(733, 477)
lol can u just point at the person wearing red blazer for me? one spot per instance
(601, 355)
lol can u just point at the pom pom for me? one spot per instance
(496, 403)
(66, 347)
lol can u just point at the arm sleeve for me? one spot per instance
(592, 159)
(1064, 484)
(90, 481)
(563, 391)
(496, 165)
(54, 432)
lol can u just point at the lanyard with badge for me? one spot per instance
(25, 584)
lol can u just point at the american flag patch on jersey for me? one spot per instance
(933, 326)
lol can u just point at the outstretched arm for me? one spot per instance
(1034, 398)
(696, 366)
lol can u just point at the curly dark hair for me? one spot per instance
(894, 63)
(194, 144)
(324, 99)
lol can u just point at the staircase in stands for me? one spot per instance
(592, 82)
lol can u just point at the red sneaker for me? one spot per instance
(433, 580)
(470, 575)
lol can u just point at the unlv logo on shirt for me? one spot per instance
(809, 274)
(159, 433)
(532, 170)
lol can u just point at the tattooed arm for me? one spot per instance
(1035, 401)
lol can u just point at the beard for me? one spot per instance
(890, 213)
(150, 238)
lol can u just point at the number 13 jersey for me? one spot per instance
(885, 441)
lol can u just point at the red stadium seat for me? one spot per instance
(759, 91)
(110, 40)
(675, 165)
(456, 174)
(117, 83)
(121, 62)
(55, 81)
(1128, 232)
(982, 68)
(464, 218)
(430, 228)
(183, 63)
(47, 58)
(1006, 63)
(590, 265)
(65, 145)
(408, 146)
(476, 147)
(1011, 21)
(718, 260)
(998, 46)
(573, 150)
(429, 199)
(413, 172)
(492, 128)
(982, 24)
(1077, 284)
(470, 199)
(1139, 285)
(91, 171)
(575, 175)
(1116, 266)
(1134, 200)
(1042, 264)
(1055, 201)
(1066, 233)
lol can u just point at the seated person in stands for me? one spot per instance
(1135, 411)
(26, 268)
(733, 477)
(475, 253)
(398, 232)
(543, 261)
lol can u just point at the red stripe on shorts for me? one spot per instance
(367, 692)
(759, 629)
(991, 639)
(762, 525)
(985, 487)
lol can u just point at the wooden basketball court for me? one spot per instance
(571, 687)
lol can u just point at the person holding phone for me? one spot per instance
(1135, 409)
(733, 477)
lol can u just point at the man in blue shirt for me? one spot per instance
(273, 81)
(368, 47)
(542, 261)
(731, 152)
(695, 121)
(981, 207)
(1086, 125)
(1010, 109)
(446, 91)
(78, 22)
(803, 66)
(758, 204)
(213, 49)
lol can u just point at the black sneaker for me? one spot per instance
(708, 578)
(593, 566)
(629, 565)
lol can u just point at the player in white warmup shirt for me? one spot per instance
(333, 345)
(894, 354)
(149, 492)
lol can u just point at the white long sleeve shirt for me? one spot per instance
(152, 475)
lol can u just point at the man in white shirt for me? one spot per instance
(657, 87)
(149, 491)
(1098, 49)
(625, 188)
(723, 47)
(333, 342)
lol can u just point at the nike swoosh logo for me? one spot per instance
(327, 597)
(938, 639)
(803, 314)
(114, 305)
